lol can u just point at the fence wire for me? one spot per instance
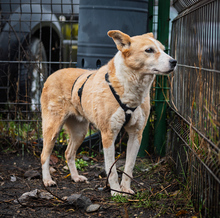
(195, 95)
(36, 39)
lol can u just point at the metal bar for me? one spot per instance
(161, 81)
(199, 68)
(145, 136)
(36, 62)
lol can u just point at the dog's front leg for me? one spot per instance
(109, 155)
(131, 154)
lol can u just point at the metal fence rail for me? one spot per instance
(195, 97)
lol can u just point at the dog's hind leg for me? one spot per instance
(51, 128)
(77, 131)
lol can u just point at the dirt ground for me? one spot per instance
(166, 198)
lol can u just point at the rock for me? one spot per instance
(82, 201)
(32, 174)
(79, 200)
(34, 194)
(85, 158)
(66, 168)
(13, 178)
(100, 188)
(52, 170)
(64, 198)
(92, 208)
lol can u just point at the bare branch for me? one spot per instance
(53, 193)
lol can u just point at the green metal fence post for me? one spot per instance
(145, 138)
(161, 81)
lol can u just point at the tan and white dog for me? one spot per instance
(116, 95)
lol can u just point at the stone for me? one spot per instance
(79, 200)
(92, 208)
(32, 174)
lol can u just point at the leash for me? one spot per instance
(125, 108)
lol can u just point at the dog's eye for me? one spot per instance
(149, 50)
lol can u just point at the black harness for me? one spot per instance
(122, 105)
(125, 108)
(81, 88)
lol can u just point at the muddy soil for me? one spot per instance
(154, 174)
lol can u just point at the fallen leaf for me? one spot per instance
(133, 200)
(53, 159)
(181, 212)
(67, 176)
(175, 193)
(70, 210)
(32, 174)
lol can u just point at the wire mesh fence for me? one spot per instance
(195, 125)
(36, 39)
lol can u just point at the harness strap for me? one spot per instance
(122, 105)
(81, 88)
(74, 84)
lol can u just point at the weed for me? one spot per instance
(81, 164)
(144, 200)
(120, 199)
(59, 155)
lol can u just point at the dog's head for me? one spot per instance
(143, 53)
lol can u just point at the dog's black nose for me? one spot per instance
(172, 63)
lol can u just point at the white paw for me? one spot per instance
(127, 190)
(80, 179)
(49, 183)
(114, 193)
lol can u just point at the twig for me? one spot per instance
(25, 183)
(33, 206)
(53, 193)
(127, 193)
(126, 175)
(87, 189)
(122, 137)
(23, 205)
(160, 190)
(135, 180)
(110, 170)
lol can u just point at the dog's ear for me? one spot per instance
(121, 39)
(150, 35)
